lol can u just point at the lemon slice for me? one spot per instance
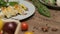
(1, 24)
(28, 32)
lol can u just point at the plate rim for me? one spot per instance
(28, 15)
(48, 4)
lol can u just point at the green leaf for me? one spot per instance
(13, 3)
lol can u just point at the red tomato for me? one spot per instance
(24, 26)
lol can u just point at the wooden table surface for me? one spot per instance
(38, 21)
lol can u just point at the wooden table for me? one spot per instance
(37, 21)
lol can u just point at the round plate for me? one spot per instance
(50, 6)
(31, 10)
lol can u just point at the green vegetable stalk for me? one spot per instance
(41, 8)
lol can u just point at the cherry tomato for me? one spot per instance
(28, 32)
(24, 26)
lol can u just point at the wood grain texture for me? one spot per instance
(38, 21)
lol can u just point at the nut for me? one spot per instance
(54, 29)
(45, 29)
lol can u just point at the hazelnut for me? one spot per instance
(54, 29)
(45, 29)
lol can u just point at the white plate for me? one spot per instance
(31, 10)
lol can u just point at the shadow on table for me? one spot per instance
(27, 18)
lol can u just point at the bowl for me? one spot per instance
(17, 22)
(50, 6)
